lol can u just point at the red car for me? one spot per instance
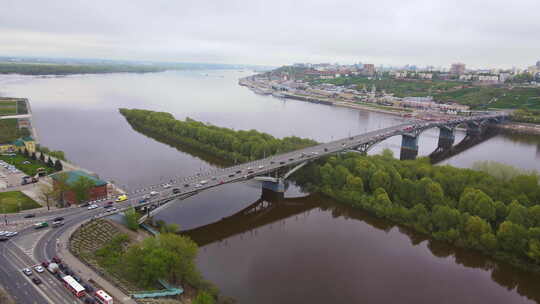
(57, 260)
(45, 264)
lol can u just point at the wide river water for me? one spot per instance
(292, 250)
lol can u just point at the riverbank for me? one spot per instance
(520, 128)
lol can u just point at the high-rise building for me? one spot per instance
(457, 68)
(369, 69)
(538, 64)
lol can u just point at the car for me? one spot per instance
(281, 162)
(198, 185)
(261, 166)
(154, 193)
(57, 224)
(2, 233)
(44, 263)
(57, 260)
(58, 219)
(231, 175)
(31, 215)
(111, 209)
(250, 172)
(41, 225)
(84, 205)
(221, 182)
(291, 159)
(3, 239)
(176, 191)
(121, 198)
(142, 201)
(108, 206)
(186, 185)
(39, 269)
(203, 182)
(325, 149)
(27, 271)
(93, 206)
(36, 281)
(25, 162)
(166, 186)
(239, 171)
(11, 234)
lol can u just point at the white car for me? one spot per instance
(10, 234)
(39, 268)
(93, 206)
(261, 166)
(27, 271)
(198, 185)
(203, 182)
(2, 233)
(167, 186)
(154, 193)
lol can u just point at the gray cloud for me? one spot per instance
(480, 33)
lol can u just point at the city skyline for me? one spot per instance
(389, 32)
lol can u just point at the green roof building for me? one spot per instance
(73, 176)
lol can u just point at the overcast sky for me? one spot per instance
(480, 33)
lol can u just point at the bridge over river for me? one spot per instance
(155, 197)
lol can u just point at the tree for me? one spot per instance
(132, 218)
(42, 157)
(81, 187)
(58, 165)
(50, 163)
(476, 202)
(512, 238)
(47, 194)
(517, 214)
(203, 298)
(61, 186)
(169, 228)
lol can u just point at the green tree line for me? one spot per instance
(227, 144)
(468, 208)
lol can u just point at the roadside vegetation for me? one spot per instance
(16, 201)
(236, 146)
(497, 215)
(4, 297)
(138, 265)
(8, 107)
(493, 97)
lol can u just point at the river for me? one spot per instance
(306, 250)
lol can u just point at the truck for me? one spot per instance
(52, 268)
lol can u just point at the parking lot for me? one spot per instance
(9, 175)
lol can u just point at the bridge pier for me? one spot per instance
(474, 129)
(409, 146)
(446, 137)
(275, 186)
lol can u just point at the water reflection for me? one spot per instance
(256, 225)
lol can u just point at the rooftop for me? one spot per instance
(73, 176)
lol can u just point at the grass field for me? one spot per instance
(8, 107)
(9, 130)
(10, 202)
(31, 168)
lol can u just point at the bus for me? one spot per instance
(103, 298)
(73, 286)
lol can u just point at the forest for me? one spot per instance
(231, 145)
(497, 214)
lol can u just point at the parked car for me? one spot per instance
(176, 191)
(166, 186)
(154, 193)
(57, 224)
(31, 215)
(27, 271)
(93, 206)
(57, 260)
(36, 281)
